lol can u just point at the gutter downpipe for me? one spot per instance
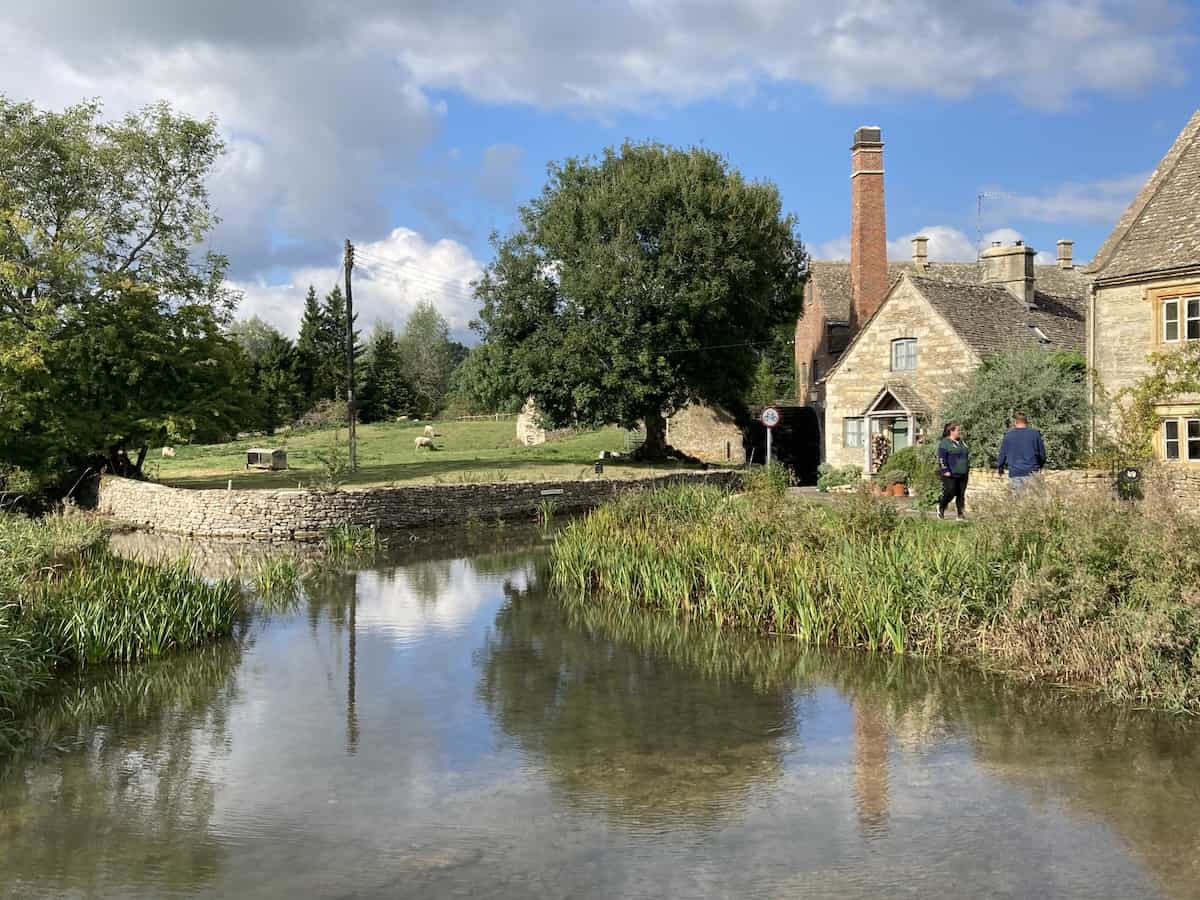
(1091, 370)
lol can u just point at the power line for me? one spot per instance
(410, 271)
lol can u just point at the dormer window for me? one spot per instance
(904, 354)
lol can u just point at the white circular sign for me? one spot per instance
(769, 417)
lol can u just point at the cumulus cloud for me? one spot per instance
(391, 276)
(946, 244)
(329, 108)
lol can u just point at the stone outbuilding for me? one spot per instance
(931, 331)
(1146, 292)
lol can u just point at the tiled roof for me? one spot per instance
(990, 319)
(987, 317)
(1160, 231)
(904, 393)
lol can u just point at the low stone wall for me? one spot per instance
(282, 515)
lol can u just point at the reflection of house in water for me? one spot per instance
(870, 769)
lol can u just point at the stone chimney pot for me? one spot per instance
(920, 252)
(1011, 268)
(1066, 254)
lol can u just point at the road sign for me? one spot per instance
(769, 417)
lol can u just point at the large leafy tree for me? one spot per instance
(1049, 387)
(112, 319)
(638, 281)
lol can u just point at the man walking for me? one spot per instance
(1022, 451)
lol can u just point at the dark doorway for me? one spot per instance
(796, 442)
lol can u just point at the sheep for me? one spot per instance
(426, 442)
(168, 452)
(429, 431)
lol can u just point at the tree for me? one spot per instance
(429, 357)
(639, 281)
(272, 373)
(386, 391)
(112, 319)
(308, 347)
(1050, 388)
(479, 384)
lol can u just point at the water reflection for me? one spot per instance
(633, 733)
(118, 788)
(439, 724)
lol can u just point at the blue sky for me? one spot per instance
(417, 128)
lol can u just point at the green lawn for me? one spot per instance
(466, 452)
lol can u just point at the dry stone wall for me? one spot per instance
(281, 515)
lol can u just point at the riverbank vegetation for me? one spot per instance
(1086, 592)
(66, 602)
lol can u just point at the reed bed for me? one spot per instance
(1088, 592)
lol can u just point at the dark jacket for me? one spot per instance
(1022, 451)
(953, 457)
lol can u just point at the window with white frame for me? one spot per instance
(852, 432)
(1181, 439)
(1181, 318)
(904, 354)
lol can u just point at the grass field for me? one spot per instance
(466, 452)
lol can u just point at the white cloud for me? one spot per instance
(946, 244)
(1100, 202)
(391, 276)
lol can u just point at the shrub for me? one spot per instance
(833, 476)
(914, 466)
(1050, 388)
(771, 480)
(324, 414)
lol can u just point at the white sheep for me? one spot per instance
(168, 452)
(426, 442)
(429, 431)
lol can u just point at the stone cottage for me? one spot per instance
(1145, 296)
(881, 343)
(931, 331)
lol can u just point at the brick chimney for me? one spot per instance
(920, 256)
(1011, 268)
(868, 233)
(1065, 254)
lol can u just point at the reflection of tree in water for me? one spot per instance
(130, 797)
(1137, 772)
(634, 716)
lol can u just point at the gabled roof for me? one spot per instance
(1160, 231)
(904, 394)
(831, 280)
(989, 319)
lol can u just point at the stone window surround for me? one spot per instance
(909, 346)
(860, 431)
(1186, 438)
(1159, 297)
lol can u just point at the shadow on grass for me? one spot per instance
(452, 471)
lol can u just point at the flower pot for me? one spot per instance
(897, 490)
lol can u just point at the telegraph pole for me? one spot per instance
(351, 413)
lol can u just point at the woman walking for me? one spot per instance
(954, 463)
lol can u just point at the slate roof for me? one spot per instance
(990, 319)
(1160, 231)
(832, 281)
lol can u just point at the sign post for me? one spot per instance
(770, 418)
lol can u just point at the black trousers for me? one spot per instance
(954, 487)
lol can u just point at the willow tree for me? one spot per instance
(638, 281)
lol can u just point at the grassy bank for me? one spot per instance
(1087, 592)
(65, 601)
(467, 452)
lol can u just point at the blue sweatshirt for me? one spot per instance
(1022, 451)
